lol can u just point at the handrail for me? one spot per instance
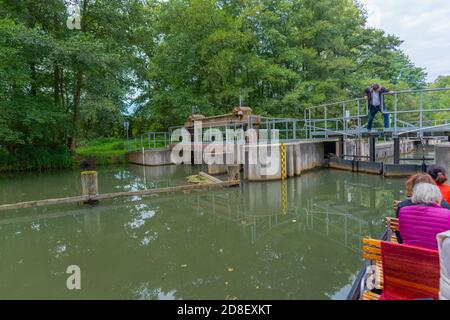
(338, 103)
(422, 90)
(332, 131)
(424, 129)
(343, 114)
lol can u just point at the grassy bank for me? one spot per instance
(104, 150)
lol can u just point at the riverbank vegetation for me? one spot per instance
(149, 62)
(104, 150)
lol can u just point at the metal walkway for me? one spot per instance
(413, 113)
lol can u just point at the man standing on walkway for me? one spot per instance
(375, 97)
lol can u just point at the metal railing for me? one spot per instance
(335, 117)
(409, 111)
(149, 140)
(288, 129)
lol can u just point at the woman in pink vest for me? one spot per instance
(420, 223)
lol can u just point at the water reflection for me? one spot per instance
(229, 243)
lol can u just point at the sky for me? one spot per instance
(423, 25)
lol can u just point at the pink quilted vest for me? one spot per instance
(419, 225)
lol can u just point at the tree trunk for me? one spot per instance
(78, 87)
(76, 111)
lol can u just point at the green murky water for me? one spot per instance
(223, 244)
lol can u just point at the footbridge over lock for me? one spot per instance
(333, 135)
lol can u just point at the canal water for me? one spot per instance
(223, 244)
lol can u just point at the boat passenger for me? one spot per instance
(410, 184)
(420, 223)
(444, 255)
(439, 174)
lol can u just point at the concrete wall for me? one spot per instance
(300, 156)
(384, 150)
(214, 169)
(442, 155)
(157, 157)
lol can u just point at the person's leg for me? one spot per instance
(386, 118)
(372, 112)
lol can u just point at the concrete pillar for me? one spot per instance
(233, 172)
(442, 155)
(360, 149)
(89, 184)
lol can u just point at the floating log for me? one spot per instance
(87, 198)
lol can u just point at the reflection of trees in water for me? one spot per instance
(182, 246)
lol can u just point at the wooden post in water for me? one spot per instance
(89, 184)
(233, 172)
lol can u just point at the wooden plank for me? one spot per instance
(373, 250)
(372, 242)
(372, 257)
(210, 178)
(40, 203)
(370, 296)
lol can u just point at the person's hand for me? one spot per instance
(365, 98)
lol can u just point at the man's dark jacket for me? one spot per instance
(368, 93)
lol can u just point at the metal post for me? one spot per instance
(359, 119)
(287, 131)
(421, 115)
(372, 148)
(306, 122)
(344, 118)
(310, 128)
(294, 127)
(395, 113)
(326, 123)
(396, 150)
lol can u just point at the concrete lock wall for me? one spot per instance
(359, 147)
(156, 157)
(442, 155)
(300, 156)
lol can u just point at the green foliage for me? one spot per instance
(105, 151)
(282, 56)
(58, 86)
(102, 147)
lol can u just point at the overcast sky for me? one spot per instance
(423, 25)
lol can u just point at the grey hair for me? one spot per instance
(426, 193)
